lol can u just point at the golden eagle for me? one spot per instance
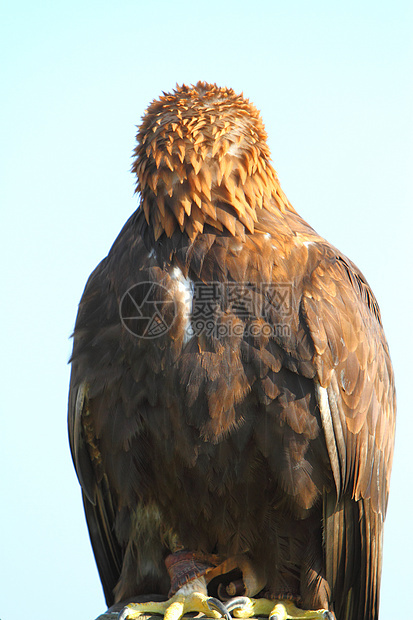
(232, 403)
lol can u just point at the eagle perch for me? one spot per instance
(232, 403)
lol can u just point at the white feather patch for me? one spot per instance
(185, 289)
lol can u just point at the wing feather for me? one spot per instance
(358, 406)
(356, 397)
(97, 499)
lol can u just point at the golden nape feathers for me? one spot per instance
(202, 163)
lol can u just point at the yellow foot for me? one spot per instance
(244, 607)
(177, 606)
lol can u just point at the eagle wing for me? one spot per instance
(98, 501)
(108, 386)
(356, 397)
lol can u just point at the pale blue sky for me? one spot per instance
(334, 83)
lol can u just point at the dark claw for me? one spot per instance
(274, 617)
(123, 614)
(237, 603)
(216, 605)
(328, 615)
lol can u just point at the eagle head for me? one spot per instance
(202, 163)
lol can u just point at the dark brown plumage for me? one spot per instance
(257, 420)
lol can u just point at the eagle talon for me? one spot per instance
(237, 603)
(245, 607)
(177, 606)
(216, 605)
(286, 610)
